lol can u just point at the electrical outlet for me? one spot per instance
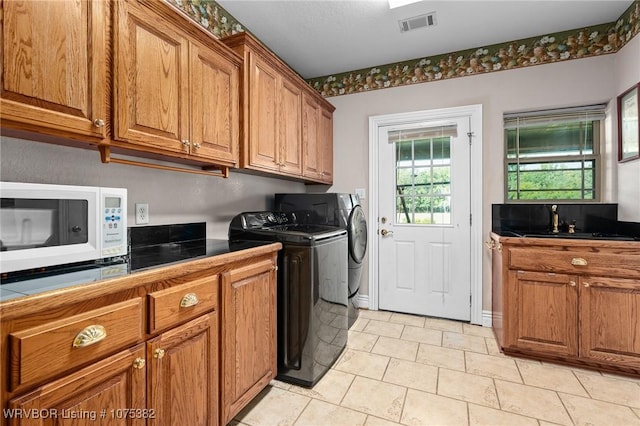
(142, 213)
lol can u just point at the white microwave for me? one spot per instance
(44, 225)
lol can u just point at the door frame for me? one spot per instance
(377, 121)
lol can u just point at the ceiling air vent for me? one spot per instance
(421, 21)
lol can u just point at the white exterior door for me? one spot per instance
(424, 208)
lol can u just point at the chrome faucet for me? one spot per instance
(554, 213)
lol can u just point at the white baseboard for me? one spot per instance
(362, 301)
(486, 318)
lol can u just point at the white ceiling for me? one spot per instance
(323, 37)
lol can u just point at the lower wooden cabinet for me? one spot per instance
(170, 348)
(559, 305)
(110, 392)
(183, 373)
(545, 312)
(248, 334)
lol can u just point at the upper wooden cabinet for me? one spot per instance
(277, 117)
(317, 140)
(54, 67)
(173, 93)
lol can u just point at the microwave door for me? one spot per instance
(72, 226)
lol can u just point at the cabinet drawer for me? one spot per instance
(183, 302)
(575, 262)
(43, 351)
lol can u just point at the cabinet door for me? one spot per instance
(248, 334)
(54, 72)
(290, 129)
(310, 143)
(183, 376)
(264, 100)
(610, 320)
(543, 309)
(109, 392)
(214, 106)
(151, 80)
(325, 142)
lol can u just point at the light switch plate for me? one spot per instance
(361, 193)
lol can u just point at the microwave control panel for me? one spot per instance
(114, 222)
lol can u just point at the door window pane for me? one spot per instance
(423, 176)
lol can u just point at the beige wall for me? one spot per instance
(173, 197)
(576, 82)
(627, 68)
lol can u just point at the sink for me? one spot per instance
(574, 236)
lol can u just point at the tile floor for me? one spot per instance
(408, 370)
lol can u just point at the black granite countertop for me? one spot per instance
(140, 258)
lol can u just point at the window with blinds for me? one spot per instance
(553, 155)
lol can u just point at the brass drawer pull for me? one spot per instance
(158, 353)
(572, 283)
(90, 335)
(139, 363)
(578, 261)
(188, 300)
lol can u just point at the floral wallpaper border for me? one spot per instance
(567, 45)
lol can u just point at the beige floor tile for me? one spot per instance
(637, 410)
(443, 324)
(464, 342)
(441, 357)
(422, 335)
(483, 416)
(621, 377)
(377, 421)
(532, 402)
(412, 375)
(279, 384)
(331, 388)
(273, 406)
(359, 324)
(341, 338)
(423, 409)
(477, 330)
(492, 366)
(384, 328)
(611, 390)
(322, 413)
(375, 315)
(589, 412)
(493, 348)
(406, 319)
(396, 348)
(552, 378)
(362, 364)
(377, 398)
(467, 387)
(361, 341)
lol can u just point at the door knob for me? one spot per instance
(385, 232)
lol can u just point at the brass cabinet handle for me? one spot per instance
(139, 363)
(158, 353)
(188, 300)
(578, 261)
(587, 284)
(98, 122)
(89, 336)
(186, 142)
(491, 245)
(572, 283)
(196, 145)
